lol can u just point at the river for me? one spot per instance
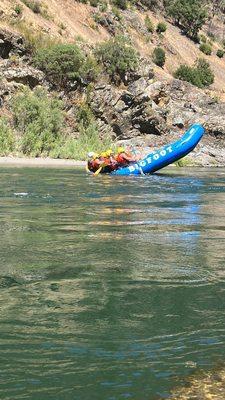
(110, 288)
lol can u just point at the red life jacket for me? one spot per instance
(93, 165)
(121, 159)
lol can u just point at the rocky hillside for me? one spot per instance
(146, 105)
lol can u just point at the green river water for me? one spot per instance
(110, 288)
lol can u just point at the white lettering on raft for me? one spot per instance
(154, 157)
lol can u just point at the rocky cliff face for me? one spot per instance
(145, 111)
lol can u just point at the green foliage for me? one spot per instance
(161, 27)
(149, 24)
(34, 5)
(84, 115)
(220, 53)
(117, 13)
(103, 5)
(206, 48)
(88, 140)
(151, 4)
(120, 4)
(7, 142)
(118, 57)
(94, 3)
(200, 75)
(18, 9)
(64, 63)
(190, 15)
(159, 56)
(39, 121)
(202, 38)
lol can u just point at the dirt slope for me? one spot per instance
(68, 19)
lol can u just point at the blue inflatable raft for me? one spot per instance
(165, 155)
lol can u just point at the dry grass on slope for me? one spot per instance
(69, 19)
(66, 19)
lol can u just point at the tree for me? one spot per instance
(190, 15)
(118, 57)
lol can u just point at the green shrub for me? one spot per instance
(202, 38)
(118, 57)
(94, 3)
(206, 48)
(18, 9)
(39, 121)
(103, 5)
(120, 4)
(159, 56)
(200, 75)
(7, 141)
(206, 75)
(220, 53)
(34, 5)
(212, 36)
(64, 63)
(149, 24)
(88, 140)
(84, 115)
(117, 13)
(161, 27)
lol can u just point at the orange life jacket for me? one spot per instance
(123, 160)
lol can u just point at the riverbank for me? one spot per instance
(40, 162)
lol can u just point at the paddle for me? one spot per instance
(99, 170)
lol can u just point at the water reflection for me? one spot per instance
(109, 287)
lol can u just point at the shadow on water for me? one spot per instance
(109, 288)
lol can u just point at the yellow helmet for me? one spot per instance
(120, 150)
(109, 152)
(104, 154)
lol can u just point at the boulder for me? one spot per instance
(21, 73)
(11, 43)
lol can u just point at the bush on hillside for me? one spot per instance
(159, 56)
(118, 57)
(151, 4)
(64, 63)
(18, 9)
(200, 75)
(7, 141)
(206, 48)
(161, 27)
(189, 15)
(202, 39)
(94, 3)
(34, 5)
(149, 24)
(39, 121)
(220, 53)
(120, 4)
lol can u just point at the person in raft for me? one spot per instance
(124, 157)
(109, 162)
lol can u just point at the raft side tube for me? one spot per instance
(166, 155)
